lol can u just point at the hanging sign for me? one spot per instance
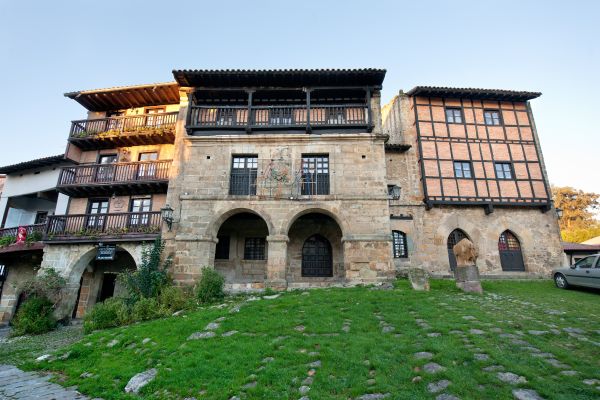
(106, 253)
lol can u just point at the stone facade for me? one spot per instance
(427, 229)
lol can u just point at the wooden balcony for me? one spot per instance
(103, 227)
(137, 130)
(292, 117)
(8, 237)
(142, 177)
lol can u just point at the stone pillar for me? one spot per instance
(277, 261)
(192, 253)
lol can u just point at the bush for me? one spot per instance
(172, 298)
(35, 316)
(112, 312)
(145, 309)
(152, 275)
(47, 284)
(210, 287)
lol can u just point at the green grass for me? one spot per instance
(219, 367)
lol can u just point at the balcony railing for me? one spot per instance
(86, 227)
(33, 231)
(280, 117)
(91, 179)
(130, 130)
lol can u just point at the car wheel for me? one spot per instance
(561, 281)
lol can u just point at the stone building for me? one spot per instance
(123, 151)
(290, 179)
(468, 163)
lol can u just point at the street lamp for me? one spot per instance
(167, 215)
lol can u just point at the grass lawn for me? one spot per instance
(353, 342)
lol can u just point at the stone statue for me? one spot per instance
(466, 272)
(465, 253)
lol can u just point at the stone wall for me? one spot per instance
(20, 269)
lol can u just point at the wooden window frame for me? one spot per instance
(460, 114)
(399, 244)
(510, 170)
(462, 163)
(499, 119)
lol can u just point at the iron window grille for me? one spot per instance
(254, 249)
(399, 244)
(491, 117)
(503, 170)
(508, 242)
(462, 169)
(243, 175)
(393, 192)
(454, 116)
(222, 250)
(315, 174)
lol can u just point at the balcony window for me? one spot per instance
(503, 170)
(106, 171)
(147, 170)
(96, 209)
(140, 206)
(243, 175)
(399, 244)
(254, 249)
(226, 116)
(315, 174)
(454, 116)
(153, 119)
(491, 117)
(462, 169)
(281, 116)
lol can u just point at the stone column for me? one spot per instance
(277, 261)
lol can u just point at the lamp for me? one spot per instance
(167, 215)
(559, 212)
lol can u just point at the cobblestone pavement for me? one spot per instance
(16, 385)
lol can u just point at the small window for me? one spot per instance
(399, 242)
(222, 250)
(491, 117)
(254, 249)
(454, 116)
(393, 192)
(462, 169)
(504, 170)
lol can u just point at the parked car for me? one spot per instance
(585, 272)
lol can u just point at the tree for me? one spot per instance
(578, 222)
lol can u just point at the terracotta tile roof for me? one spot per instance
(567, 246)
(473, 93)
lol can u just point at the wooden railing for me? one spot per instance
(115, 173)
(35, 229)
(114, 125)
(91, 226)
(295, 116)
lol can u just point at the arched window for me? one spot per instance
(399, 241)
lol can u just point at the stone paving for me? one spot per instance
(16, 384)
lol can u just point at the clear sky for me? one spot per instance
(48, 48)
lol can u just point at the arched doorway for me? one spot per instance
(317, 259)
(455, 236)
(242, 249)
(511, 257)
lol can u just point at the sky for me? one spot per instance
(48, 48)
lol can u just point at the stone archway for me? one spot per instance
(511, 256)
(455, 236)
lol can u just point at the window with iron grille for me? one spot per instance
(399, 243)
(254, 249)
(503, 170)
(222, 250)
(315, 174)
(508, 242)
(491, 117)
(454, 116)
(462, 169)
(243, 175)
(393, 192)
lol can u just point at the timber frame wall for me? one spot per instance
(440, 143)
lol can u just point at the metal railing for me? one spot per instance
(114, 125)
(82, 226)
(115, 173)
(293, 116)
(31, 229)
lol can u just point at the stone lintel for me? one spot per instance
(196, 238)
(367, 238)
